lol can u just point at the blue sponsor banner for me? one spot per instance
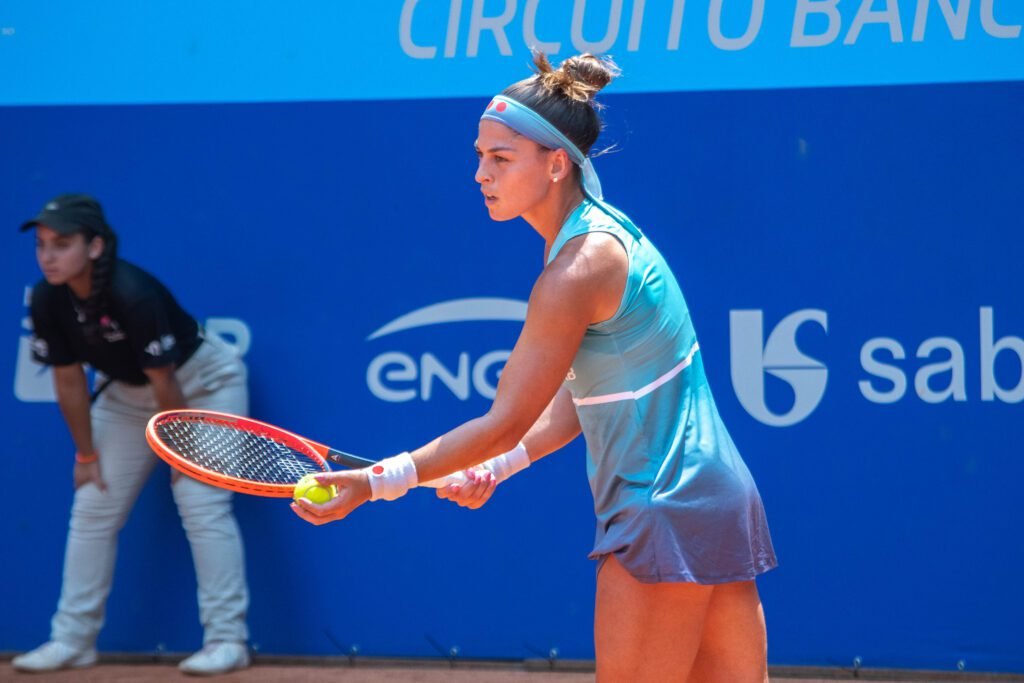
(243, 51)
(852, 264)
(851, 256)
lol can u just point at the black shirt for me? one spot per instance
(141, 326)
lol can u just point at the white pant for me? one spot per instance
(212, 379)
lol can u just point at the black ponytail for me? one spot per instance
(102, 276)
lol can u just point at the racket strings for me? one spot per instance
(235, 452)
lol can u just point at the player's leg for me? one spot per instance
(646, 631)
(734, 646)
(214, 379)
(96, 519)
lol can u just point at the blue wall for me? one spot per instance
(869, 212)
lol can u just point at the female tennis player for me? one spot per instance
(91, 307)
(608, 348)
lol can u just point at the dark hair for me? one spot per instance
(102, 275)
(565, 96)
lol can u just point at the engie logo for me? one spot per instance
(399, 376)
(751, 358)
(33, 382)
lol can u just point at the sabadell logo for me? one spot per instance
(941, 373)
(752, 357)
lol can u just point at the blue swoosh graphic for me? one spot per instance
(456, 311)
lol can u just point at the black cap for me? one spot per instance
(70, 213)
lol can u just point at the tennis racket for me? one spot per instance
(246, 455)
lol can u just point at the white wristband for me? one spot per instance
(505, 465)
(392, 478)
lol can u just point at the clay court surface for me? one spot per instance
(416, 672)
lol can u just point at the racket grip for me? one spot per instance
(456, 478)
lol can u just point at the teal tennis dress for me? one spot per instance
(673, 498)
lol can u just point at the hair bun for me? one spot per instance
(579, 77)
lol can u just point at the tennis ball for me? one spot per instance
(307, 487)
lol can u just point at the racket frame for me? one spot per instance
(316, 452)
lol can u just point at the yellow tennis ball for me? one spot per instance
(308, 488)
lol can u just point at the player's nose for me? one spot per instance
(482, 175)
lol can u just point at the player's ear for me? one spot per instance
(96, 247)
(559, 165)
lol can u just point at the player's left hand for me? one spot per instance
(353, 490)
(477, 490)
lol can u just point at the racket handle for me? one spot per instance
(456, 478)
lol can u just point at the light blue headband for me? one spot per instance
(529, 123)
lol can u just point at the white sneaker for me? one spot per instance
(55, 655)
(217, 658)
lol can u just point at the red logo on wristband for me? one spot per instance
(377, 469)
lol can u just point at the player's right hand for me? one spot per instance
(477, 490)
(353, 488)
(86, 472)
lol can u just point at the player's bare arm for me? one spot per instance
(583, 285)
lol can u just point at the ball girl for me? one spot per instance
(150, 355)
